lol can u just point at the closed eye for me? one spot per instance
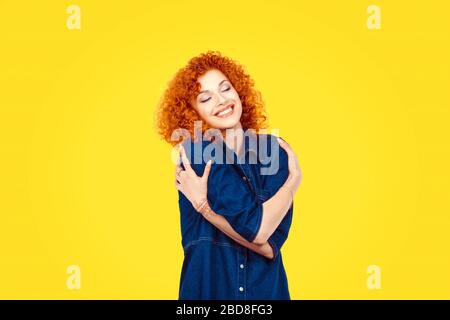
(203, 101)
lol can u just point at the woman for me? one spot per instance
(236, 210)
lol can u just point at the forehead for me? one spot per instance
(211, 79)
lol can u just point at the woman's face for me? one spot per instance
(218, 103)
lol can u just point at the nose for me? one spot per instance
(221, 99)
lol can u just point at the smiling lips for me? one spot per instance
(225, 111)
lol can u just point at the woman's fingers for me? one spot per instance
(180, 180)
(185, 160)
(178, 175)
(292, 157)
(178, 169)
(207, 171)
(285, 146)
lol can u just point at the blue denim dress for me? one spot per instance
(215, 266)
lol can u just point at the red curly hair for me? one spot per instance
(175, 108)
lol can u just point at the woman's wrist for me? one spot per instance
(202, 206)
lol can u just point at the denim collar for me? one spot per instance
(249, 146)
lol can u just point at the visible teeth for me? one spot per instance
(224, 112)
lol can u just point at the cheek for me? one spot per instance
(236, 97)
(239, 111)
(204, 111)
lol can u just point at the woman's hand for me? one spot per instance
(295, 174)
(195, 188)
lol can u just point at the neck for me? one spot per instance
(234, 137)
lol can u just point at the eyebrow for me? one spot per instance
(218, 86)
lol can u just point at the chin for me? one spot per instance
(227, 124)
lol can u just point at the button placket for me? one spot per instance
(242, 257)
(246, 176)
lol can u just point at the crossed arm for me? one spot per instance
(274, 209)
(223, 225)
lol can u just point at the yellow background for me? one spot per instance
(85, 180)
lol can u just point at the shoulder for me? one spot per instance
(195, 150)
(269, 143)
(201, 151)
(274, 164)
(271, 155)
(194, 153)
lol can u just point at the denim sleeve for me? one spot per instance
(230, 197)
(278, 238)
